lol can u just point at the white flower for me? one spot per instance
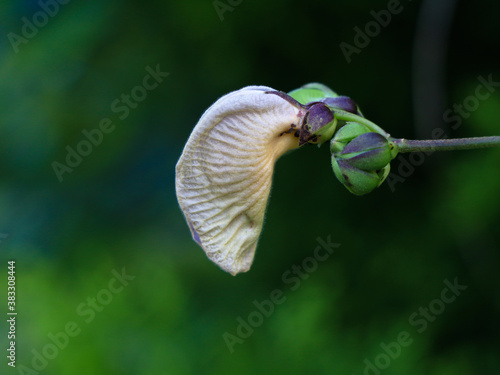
(223, 177)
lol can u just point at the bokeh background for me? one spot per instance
(117, 209)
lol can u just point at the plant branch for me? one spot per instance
(407, 145)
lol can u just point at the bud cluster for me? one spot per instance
(361, 158)
(361, 151)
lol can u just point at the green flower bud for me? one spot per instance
(346, 134)
(312, 92)
(357, 181)
(362, 164)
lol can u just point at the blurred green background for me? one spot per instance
(117, 208)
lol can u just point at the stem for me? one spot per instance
(407, 145)
(347, 116)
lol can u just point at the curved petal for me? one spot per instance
(223, 177)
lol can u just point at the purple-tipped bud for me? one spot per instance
(369, 151)
(342, 102)
(319, 124)
(319, 116)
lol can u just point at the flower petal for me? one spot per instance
(223, 177)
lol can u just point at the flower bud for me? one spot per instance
(362, 164)
(312, 92)
(369, 151)
(357, 181)
(318, 126)
(346, 134)
(342, 102)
